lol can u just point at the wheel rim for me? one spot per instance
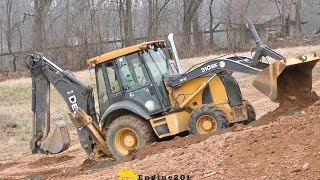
(126, 139)
(206, 124)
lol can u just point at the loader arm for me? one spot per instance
(75, 94)
(284, 73)
(213, 66)
(272, 79)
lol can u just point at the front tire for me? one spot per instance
(207, 119)
(128, 133)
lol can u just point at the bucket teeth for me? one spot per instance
(58, 139)
(59, 121)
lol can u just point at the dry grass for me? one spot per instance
(15, 95)
(15, 105)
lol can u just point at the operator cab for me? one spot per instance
(133, 74)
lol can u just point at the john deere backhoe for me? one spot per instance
(142, 97)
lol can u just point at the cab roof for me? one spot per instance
(121, 52)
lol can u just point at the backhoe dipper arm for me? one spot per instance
(75, 93)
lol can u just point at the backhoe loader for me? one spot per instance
(142, 97)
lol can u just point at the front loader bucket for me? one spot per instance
(286, 76)
(58, 139)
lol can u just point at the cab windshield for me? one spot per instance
(157, 63)
(158, 66)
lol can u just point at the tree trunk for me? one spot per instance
(1, 47)
(287, 25)
(120, 14)
(150, 19)
(128, 30)
(186, 27)
(197, 33)
(211, 24)
(9, 32)
(67, 33)
(298, 18)
(41, 8)
(285, 17)
(189, 9)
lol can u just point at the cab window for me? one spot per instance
(101, 90)
(114, 83)
(131, 72)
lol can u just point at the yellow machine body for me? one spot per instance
(177, 122)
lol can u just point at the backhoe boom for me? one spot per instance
(75, 93)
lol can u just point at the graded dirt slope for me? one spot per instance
(285, 149)
(288, 148)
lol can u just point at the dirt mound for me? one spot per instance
(4, 166)
(288, 106)
(294, 93)
(286, 149)
(290, 102)
(157, 147)
(45, 161)
(45, 174)
(177, 142)
(90, 164)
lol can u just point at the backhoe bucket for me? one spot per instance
(58, 139)
(285, 76)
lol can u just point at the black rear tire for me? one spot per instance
(251, 113)
(209, 113)
(138, 128)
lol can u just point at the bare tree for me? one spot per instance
(197, 32)
(128, 30)
(120, 9)
(284, 7)
(211, 24)
(41, 8)
(153, 17)
(9, 30)
(298, 18)
(151, 10)
(189, 9)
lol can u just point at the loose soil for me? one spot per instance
(45, 161)
(294, 94)
(282, 144)
(293, 97)
(287, 148)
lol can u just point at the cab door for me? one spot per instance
(137, 84)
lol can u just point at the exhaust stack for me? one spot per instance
(175, 54)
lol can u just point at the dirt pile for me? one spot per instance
(90, 164)
(156, 147)
(290, 100)
(285, 149)
(294, 93)
(45, 161)
(288, 148)
(289, 105)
